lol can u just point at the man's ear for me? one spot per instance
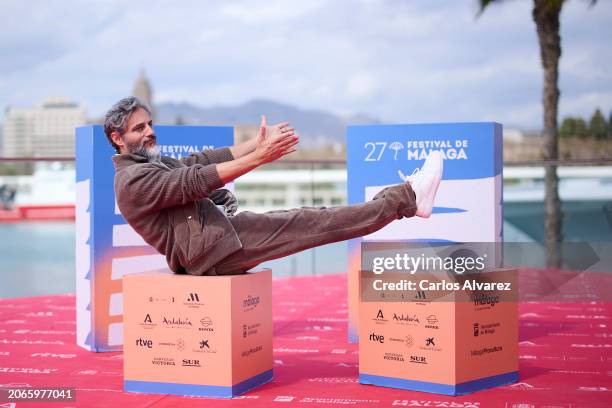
(117, 139)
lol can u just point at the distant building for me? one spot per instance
(513, 135)
(144, 91)
(267, 190)
(244, 132)
(42, 131)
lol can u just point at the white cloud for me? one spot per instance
(268, 11)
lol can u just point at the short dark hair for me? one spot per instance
(117, 116)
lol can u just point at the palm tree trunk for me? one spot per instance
(546, 16)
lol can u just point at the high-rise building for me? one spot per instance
(46, 130)
(143, 91)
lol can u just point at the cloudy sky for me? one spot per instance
(396, 60)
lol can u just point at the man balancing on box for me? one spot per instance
(172, 203)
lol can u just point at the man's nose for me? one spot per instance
(149, 130)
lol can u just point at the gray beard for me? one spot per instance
(152, 154)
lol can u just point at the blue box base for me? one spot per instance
(436, 388)
(151, 387)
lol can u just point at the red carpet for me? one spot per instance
(565, 357)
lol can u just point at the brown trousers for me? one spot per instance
(276, 234)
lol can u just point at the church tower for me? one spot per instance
(143, 91)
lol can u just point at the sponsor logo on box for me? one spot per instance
(406, 319)
(158, 299)
(380, 317)
(163, 361)
(250, 302)
(394, 356)
(484, 301)
(175, 323)
(487, 328)
(252, 350)
(180, 344)
(418, 359)
(190, 363)
(206, 324)
(147, 322)
(193, 301)
(205, 346)
(144, 343)
(430, 344)
(486, 350)
(408, 340)
(250, 329)
(432, 321)
(421, 297)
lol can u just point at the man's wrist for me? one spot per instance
(253, 159)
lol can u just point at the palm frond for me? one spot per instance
(485, 3)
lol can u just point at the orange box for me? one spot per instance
(194, 335)
(451, 345)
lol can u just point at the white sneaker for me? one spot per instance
(425, 183)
